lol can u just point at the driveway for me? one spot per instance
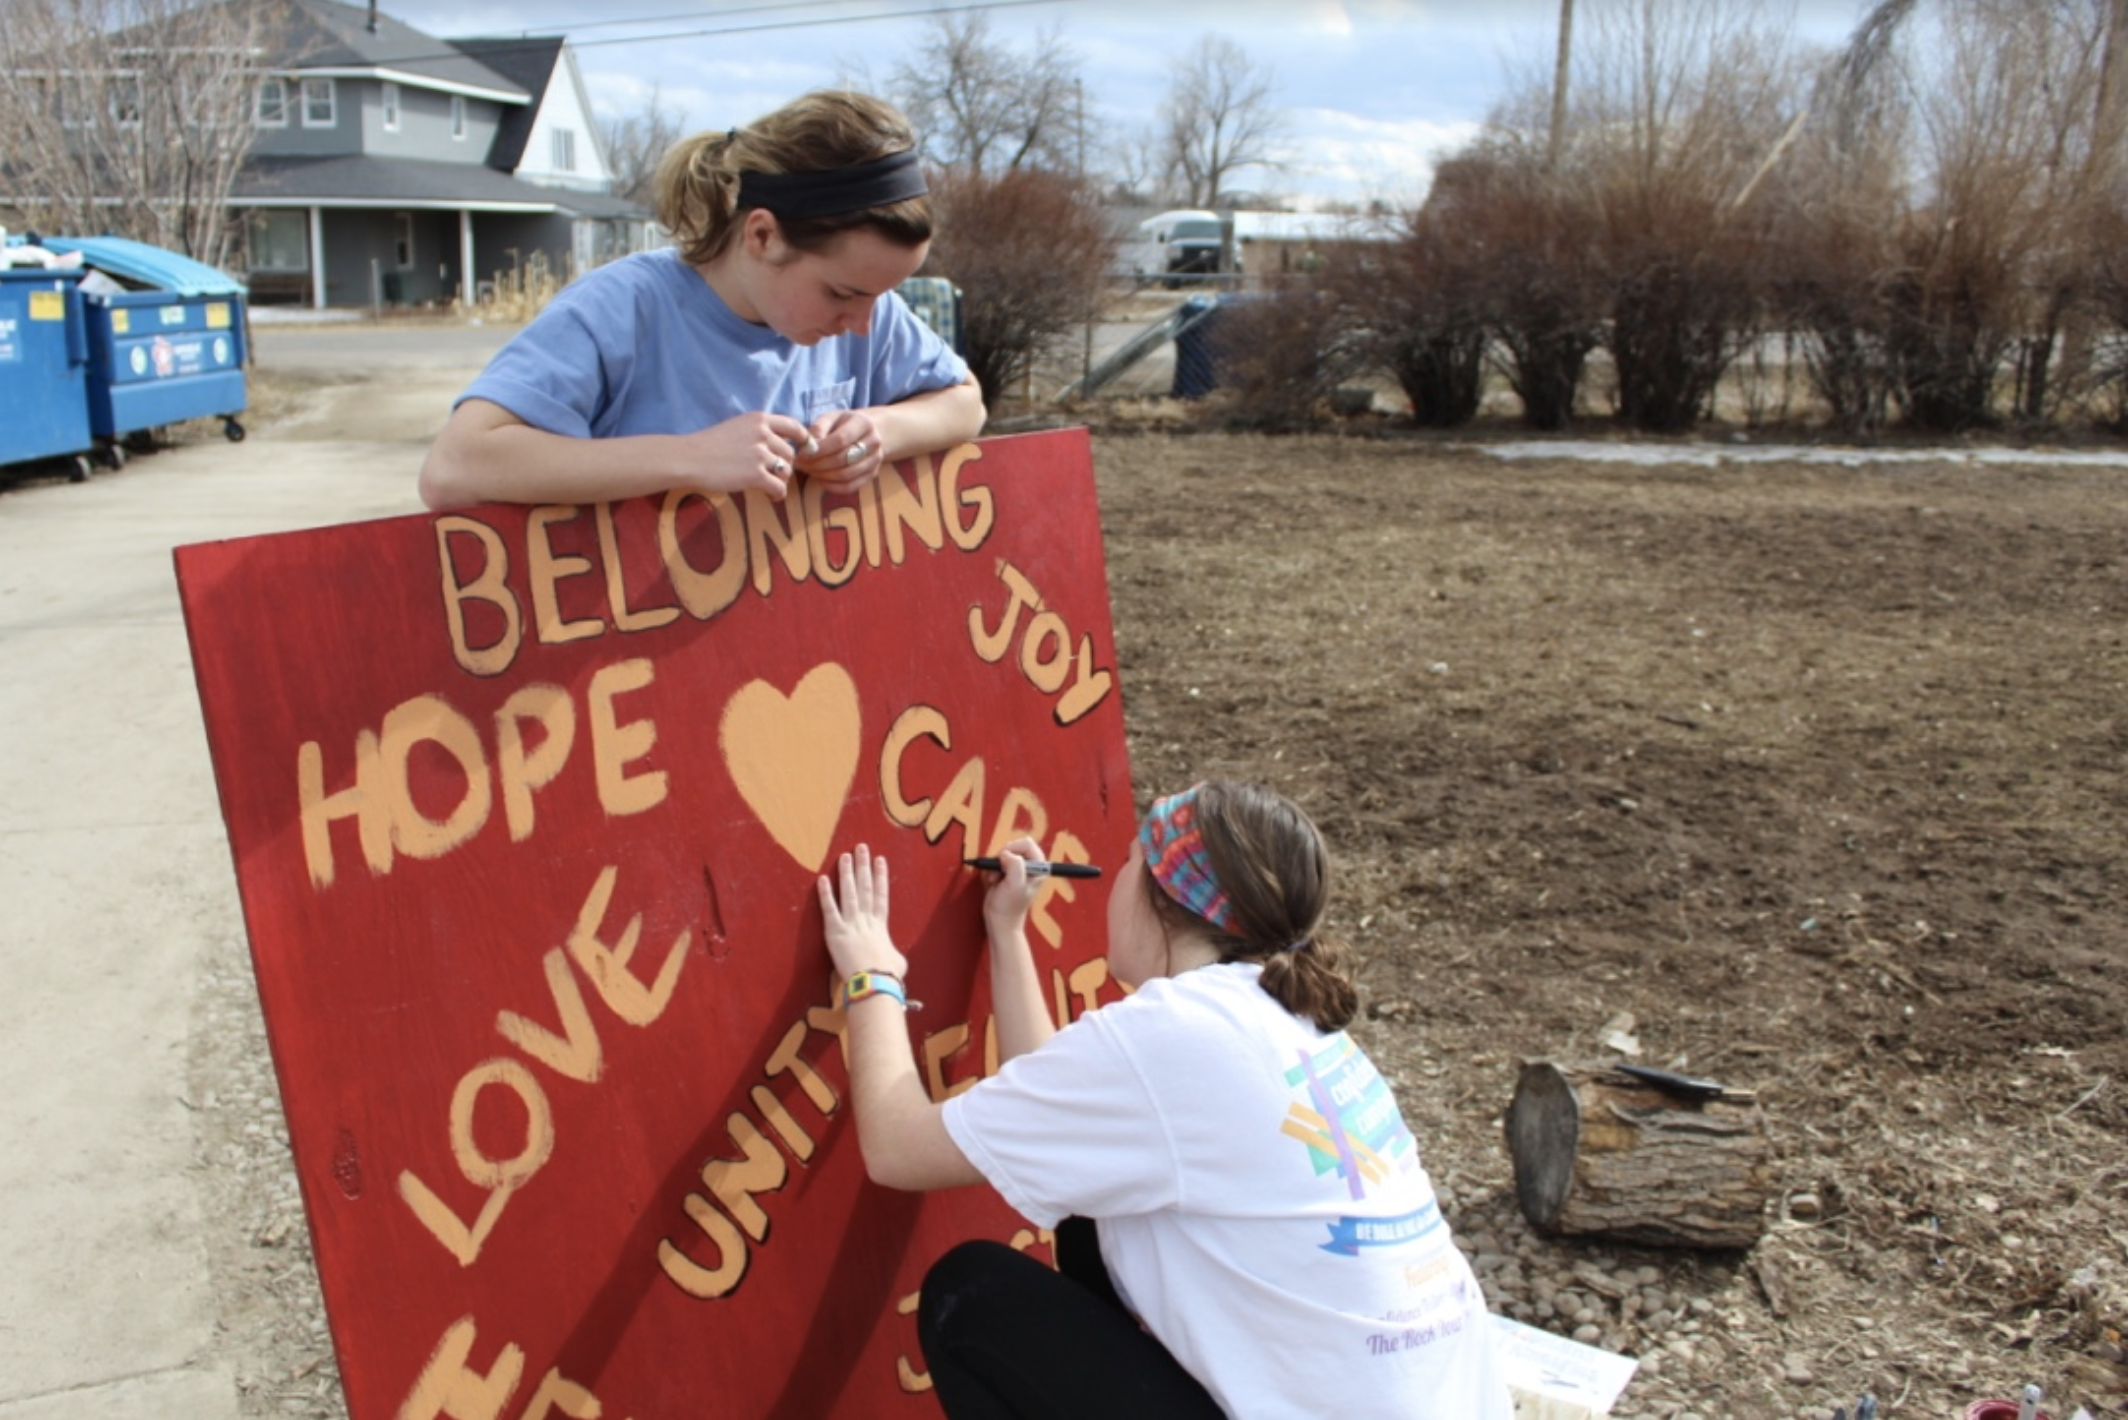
(124, 986)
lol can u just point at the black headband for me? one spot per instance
(825, 193)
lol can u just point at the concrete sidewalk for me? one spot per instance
(117, 886)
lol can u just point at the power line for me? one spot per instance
(699, 14)
(814, 24)
(713, 32)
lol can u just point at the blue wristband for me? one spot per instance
(873, 983)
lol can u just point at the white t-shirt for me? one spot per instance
(1262, 1205)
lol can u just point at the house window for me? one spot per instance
(280, 241)
(458, 115)
(318, 110)
(63, 106)
(403, 240)
(272, 108)
(391, 108)
(565, 150)
(124, 100)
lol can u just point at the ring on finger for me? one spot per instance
(779, 467)
(854, 454)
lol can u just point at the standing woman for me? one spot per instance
(1264, 1241)
(766, 343)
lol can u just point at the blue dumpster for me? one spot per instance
(44, 355)
(170, 347)
(1198, 349)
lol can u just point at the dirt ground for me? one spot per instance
(1815, 773)
(1808, 779)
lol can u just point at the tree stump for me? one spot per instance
(1601, 1154)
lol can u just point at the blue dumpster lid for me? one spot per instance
(149, 265)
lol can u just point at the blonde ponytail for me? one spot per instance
(698, 180)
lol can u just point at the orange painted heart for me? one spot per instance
(794, 757)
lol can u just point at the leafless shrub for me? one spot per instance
(1414, 306)
(2105, 367)
(1283, 354)
(2018, 135)
(1631, 212)
(1684, 301)
(516, 295)
(1682, 110)
(1540, 279)
(1835, 208)
(1029, 250)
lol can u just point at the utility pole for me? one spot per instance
(1078, 93)
(1560, 68)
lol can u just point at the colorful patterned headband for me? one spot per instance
(1175, 856)
(828, 192)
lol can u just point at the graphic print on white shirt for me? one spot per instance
(1347, 1117)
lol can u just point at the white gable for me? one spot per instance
(565, 128)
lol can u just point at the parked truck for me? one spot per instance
(1188, 244)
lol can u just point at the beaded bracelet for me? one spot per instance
(876, 983)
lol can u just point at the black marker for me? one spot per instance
(1039, 869)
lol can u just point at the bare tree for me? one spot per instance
(636, 141)
(131, 117)
(1218, 120)
(2016, 150)
(1129, 169)
(985, 108)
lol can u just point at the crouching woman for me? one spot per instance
(1243, 1225)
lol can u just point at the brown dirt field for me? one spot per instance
(1815, 772)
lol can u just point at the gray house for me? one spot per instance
(394, 168)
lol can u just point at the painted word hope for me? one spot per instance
(381, 798)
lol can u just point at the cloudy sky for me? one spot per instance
(1372, 90)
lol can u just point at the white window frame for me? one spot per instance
(331, 94)
(564, 153)
(280, 111)
(458, 117)
(391, 107)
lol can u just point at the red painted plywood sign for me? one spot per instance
(527, 806)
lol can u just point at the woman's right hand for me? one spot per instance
(1011, 897)
(758, 451)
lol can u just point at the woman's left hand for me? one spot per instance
(844, 451)
(857, 920)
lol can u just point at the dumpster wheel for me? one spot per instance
(232, 431)
(114, 455)
(78, 469)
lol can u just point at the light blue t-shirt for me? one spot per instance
(644, 346)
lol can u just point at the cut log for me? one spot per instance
(1601, 1154)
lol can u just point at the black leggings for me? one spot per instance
(1006, 1338)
